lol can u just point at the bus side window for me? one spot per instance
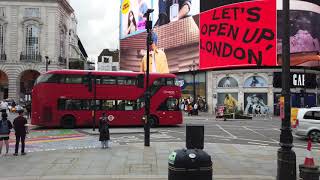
(140, 81)
(73, 79)
(170, 81)
(170, 104)
(108, 80)
(61, 104)
(126, 105)
(108, 105)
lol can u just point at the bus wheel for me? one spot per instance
(153, 121)
(68, 122)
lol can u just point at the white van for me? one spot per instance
(308, 123)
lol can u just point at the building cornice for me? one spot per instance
(65, 4)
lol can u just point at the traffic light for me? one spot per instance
(89, 81)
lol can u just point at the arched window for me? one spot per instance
(228, 82)
(62, 44)
(32, 48)
(255, 81)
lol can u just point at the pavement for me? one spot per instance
(76, 154)
(135, 161)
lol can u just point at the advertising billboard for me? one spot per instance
(304, 33)
(238, 34)
(256, 103)
(176, 40)
(132, 20)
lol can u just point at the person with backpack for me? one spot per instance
(19, 124)
(5, 127)
(104, 131)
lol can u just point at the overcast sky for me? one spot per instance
(98, 24)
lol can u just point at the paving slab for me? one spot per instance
(135, 161)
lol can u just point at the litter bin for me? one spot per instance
(189, 164)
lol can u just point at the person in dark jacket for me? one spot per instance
(19, 124)
(104, 131)
(5, 127)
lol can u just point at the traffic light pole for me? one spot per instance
(286, 156)
(147, 93)
(94, 102)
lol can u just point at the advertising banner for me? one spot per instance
(240, 34)
(132, 20)
(304, 32)
(256, 103)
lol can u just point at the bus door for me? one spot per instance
(169, 111)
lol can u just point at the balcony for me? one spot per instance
(30, 57)
(62, 60)
(3, 57)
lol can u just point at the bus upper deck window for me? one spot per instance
(140, 83)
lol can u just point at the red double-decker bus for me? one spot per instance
(62, 98)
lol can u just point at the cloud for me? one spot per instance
(98, 24)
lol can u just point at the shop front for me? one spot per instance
(303, 90)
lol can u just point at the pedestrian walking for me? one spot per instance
(195, 109)
(4, 106)
(28, 108)
(104, 131)
(5, 127)
(19, 125)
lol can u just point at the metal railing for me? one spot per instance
(30, 57)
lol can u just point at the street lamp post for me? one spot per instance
(147, 93)
(192, 69)
(47, 63)
(286, 156)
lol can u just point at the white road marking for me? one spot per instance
(292, 133)
(231, 135)
(259, 134)
(242, 139)
(258, 144)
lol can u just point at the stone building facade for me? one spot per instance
(34, 35)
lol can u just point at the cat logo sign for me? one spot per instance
(125, 6)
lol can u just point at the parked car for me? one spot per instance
(307, 123)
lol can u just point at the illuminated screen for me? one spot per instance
(239, 34)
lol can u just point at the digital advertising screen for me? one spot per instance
(132, 20)
(238, 34)
(304, 33)
(175, 37)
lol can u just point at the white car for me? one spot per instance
(308, 123)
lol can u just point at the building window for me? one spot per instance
(62, 44)
(1, 39)
(114, 68)
(255, 81)
(32, 42)
(2, 12)
(32, 12)
(228, 82)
